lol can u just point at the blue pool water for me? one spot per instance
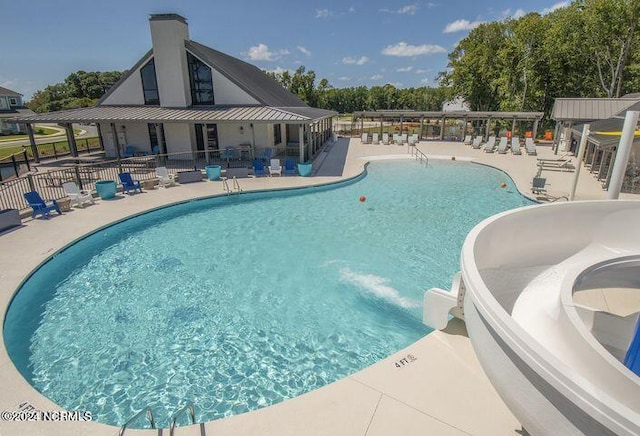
(240, 302)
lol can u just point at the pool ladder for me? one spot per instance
(235, 188)
(414, 151)
(187, 408)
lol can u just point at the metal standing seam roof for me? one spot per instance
(156, 114)
(6, 91)
(589, 109)
(451, 114)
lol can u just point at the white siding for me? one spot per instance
(138, 136)
(108, 140)
(226, 92)
(178, 138)
(129, 91)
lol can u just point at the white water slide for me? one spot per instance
(556, 363)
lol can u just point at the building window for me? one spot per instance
(201, 81)
(149, 83)
(277, 134)
(153, 138)
(13, 101)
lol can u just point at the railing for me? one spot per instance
(136, 416)
(187, 408)
(14, 165)
(236, 185)
(419, 155)
(225, 185)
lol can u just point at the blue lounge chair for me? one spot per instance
(40, 206)
(289, 166)
(258, 168)
(128, 184)
(129, 151)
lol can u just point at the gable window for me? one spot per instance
(13, 101)
(149, 83)
(201, 81)
(277, 134)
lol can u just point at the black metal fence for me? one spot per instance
(49, 183)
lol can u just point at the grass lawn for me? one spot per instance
(39, 131)
(46, 150)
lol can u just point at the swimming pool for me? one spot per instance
(239, 302)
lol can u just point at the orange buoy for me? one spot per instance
(363, 198)
(503, 185)
(453, 158)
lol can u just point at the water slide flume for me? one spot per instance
(557, 364)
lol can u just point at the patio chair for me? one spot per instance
(467, 140)
(78, 197)
(258, 168)
(39, 206)
(289, 166)
(275, 167)
(476, 142)
(376, 139)
(491, 144)
(403, 139)
(385, 138)
(515, 145)
(129, 151)
(164, 178)
(396, 138)
(530, 146)
(128, 184)
(227, 154)
(365, 138)
(537, 185)
(416, 139)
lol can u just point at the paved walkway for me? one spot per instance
(441, 390)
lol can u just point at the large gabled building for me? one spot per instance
(11, 106)
(184, 97)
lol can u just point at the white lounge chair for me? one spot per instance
(385, 138)
(164, 178)
(467, 140)
(403, 138)
(412, 140)
(515, 145)
(503, 144)
(365, 138)
(275, 167)
(376, 139)
(476, 142)
(396, 138)
(530, 146)
(415, 138)
(78, 197)
(490, 145)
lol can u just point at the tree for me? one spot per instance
(79, 89)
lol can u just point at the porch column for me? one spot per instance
(583, 146)
(610, 170)
(32, 141)
(114, 132)
(73, 148)
(442, 122)
(381, 127)
(486, 129)
(361, 125)
(301, 143)
(100, 140)
(535, 128)
(622, 156)
(401, 120)
(513, 128)
(421, 127)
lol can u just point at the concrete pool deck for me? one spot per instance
(439, 389)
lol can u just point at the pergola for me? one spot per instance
(402, 116)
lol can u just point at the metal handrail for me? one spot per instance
(134, 417)
(174, 418)
(236, 184)
(225, 185)
(418, 154)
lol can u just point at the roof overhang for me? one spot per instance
(157, 114)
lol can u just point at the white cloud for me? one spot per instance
(404, 10)
(376, 77)
(552, 8)
(344, 78)
(508, 13)
(404, 49)
(261, 52)
(323, 13)
(351, 10)
(278, 70)
(431, 5)
(353, 61)
(304, 50)
(404, 69)
(397, 84)
(422, 71)
(425, 81)
(461, 25)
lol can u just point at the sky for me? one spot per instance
(348, 42)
